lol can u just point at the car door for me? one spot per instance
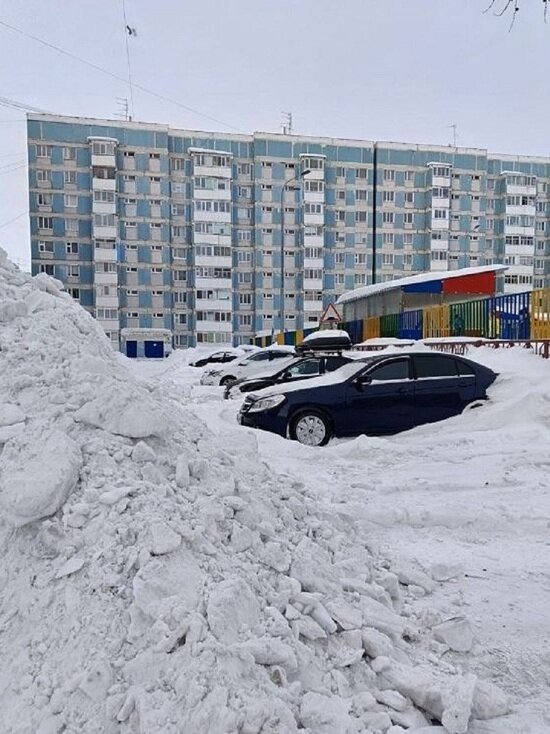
(381, 399)
(442, 387)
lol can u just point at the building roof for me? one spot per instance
(390, 285)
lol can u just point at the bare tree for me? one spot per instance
(501, 7)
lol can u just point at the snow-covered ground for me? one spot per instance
(165, 570)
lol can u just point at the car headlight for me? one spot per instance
(266, 403)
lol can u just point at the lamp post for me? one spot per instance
(282, 292)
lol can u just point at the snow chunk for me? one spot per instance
(71, 566)
(456, 633)
(10, 414)
(325, 714)
(164, 539)
(134, 416)
(232, 610)
(37, 473)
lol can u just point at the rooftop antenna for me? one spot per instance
(454, 126)
(287, 123)
(123, 109)
(129, 31)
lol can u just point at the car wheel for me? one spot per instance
(311, 428)
(226, 380)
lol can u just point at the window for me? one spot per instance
(439, 255)
(436, 365)
(180, 275)
(313, 252)
(389, 175)
(361, 173)
(314, 164)
(244, 192)
(69, 177)
(106, 197)
(71, 201)
(442, 171)
(48, 269)
(243, 256)
(387, 217)
(409, 197)
(313, 274)
(244, 235)
(44, 199)
(407, 259)
(104, 220)
(45, 223)
(103, 147)
(387, 258)
(340, 258)
(360, 216)
(407, 239)
(408, 218)
(313, 186)
(409, 175)
(43, 176)
(45, 246)
(244, 169)
(388, 238)
(74, 292)
(245, 299)
(69, 153)
(177, 164)
(312, 208)
(440, 192)
(244, 213)
(441, 213)
(397, 369)
(206, 205)
(360, 258)
(43, 151)
(73, 271)
(340, 172)
(109, 268)
(388, 197)
(245, 319)
(72, 248)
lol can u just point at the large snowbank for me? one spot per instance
(155, 578)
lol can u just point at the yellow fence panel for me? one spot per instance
(540, 313)
(436, 322)
(371, 328)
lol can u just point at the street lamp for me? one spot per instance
(282, 293)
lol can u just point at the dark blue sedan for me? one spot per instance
(382, 395)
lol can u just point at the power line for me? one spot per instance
(116, 76)
(17, 167)
(13, 104)
(11, 221)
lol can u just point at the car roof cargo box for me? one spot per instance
(329, 340)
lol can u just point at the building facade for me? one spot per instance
(156, 228)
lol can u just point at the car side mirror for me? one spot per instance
(286, 376)
(360, 382)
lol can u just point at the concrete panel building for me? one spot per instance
(151, 227)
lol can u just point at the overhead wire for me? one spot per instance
(14, 219)
(92, 65)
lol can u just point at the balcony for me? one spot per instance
(104, 184)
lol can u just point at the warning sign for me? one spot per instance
(330, 315)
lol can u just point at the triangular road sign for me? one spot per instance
(330, 315)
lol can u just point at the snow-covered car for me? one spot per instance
(383, 394)
(248, 365)
(302, 368)
(220, 357)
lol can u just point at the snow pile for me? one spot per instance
(154, 580)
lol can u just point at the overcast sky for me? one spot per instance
(402, 70)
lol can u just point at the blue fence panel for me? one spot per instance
(410, 325)
(509, 316)
(355, 330)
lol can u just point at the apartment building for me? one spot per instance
(156, 228)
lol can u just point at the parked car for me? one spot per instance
(227, 355)
(302, 368)
(383, 394)
(247, 365)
